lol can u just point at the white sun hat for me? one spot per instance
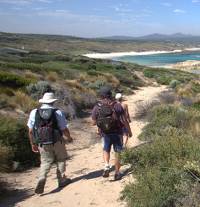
(118, 96)
(48, 98)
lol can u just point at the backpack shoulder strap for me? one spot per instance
(54, 119)
(37, 117)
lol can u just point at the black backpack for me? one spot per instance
(107, 119)
(45, 129)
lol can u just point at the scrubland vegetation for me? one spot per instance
(167, 169)
(75, 80)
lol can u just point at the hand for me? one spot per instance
(130, 134)
(35, 148)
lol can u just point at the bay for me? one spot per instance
(160, 59)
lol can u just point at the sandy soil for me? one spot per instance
(133, 53)
(84, 167)
(186, 65)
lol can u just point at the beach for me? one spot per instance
(133, 53)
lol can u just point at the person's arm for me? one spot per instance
(122, 115)
(62, 123)
(30, 125)
(126, 124)
(33, 146)
(94, 116)
(66, 133)
(128, 115)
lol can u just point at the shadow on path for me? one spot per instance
(91, 175)
(12, 197)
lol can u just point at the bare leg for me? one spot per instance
(125, 140)
(117, 163)
(106, 157)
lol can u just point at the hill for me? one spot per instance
(76, 45)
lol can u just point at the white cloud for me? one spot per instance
(166, 4)
(179, 11)
(24, 1)
(38, 8)
(122, 8)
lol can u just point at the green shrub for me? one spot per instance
(167, 97)
(97, 84)
(63, 58)
(93, 73)
(161, 117)
(92, 67)
(33, 58)
(143, 108)
(174, 83)
(70, 74)
(84, 100)
(165, 76)
(161, 168)
(38, 89)
(23, 66)
(5, 158)
(13, 80)
(155, 188)
(14, 135)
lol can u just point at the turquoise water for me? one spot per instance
(161, 59)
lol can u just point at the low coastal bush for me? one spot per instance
(12, 80)
(143, 108)
(174, 83)
(165, 116)
(14, 136)
(5, 158)
(167, 169)
(22, 66)
(84, 100)
(38, 89)
(165, 76)
(168, 97)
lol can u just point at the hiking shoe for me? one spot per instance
(117, 176)
(106, 173)
(65, 183)
(40, 187)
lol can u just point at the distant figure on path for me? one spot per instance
(119, 98)
(47, 125)
(109, 116)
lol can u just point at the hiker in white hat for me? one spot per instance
(119, 97)
(47, 125)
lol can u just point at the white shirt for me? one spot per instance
(62, 122)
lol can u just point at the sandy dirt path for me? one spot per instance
(85, 168)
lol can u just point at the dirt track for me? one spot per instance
(85, 168)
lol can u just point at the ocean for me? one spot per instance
(161, 59)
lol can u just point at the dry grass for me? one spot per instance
(112, 79)
(143, 108)
(75, 85)
(30, 75)
(23, 102)
(52, 76)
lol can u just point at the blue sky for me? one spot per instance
(97, 18)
